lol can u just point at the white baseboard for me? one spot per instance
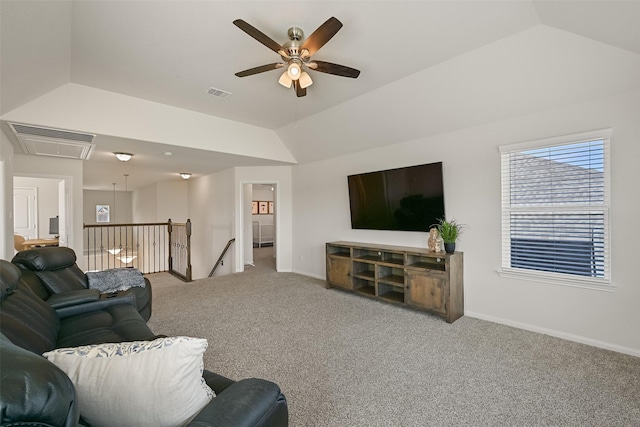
(315, 276)
(570, 337)
(527, 327)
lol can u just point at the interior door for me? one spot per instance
(25, 212)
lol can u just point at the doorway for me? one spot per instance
(260, 222)
(37, 201)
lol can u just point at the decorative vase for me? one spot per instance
(450, 247)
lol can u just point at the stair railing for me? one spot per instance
(226, 248)
(180, 249)
(149, 247)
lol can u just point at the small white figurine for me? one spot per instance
(435, 242)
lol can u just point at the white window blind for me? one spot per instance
(555, 207)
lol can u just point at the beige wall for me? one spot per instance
(162, 201)
(173, 200)
(120, 208)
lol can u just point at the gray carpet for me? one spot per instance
(344, 360)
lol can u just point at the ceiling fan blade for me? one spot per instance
(336, 69)
(260, 69)
(258, 35)
(300, 91)
(321, 35)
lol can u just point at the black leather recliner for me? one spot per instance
(35, 392)
(67, 285)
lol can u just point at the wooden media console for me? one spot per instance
(403, 275)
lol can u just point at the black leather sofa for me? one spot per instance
(65, 284)
(34, 392)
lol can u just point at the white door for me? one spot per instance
(25, 212)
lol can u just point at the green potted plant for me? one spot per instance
(449, 231)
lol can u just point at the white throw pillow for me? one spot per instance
(140, 383)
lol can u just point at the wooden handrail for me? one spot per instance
(221, 256)
(126, 225)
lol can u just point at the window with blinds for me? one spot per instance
(555, 207)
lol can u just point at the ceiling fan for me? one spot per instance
(296, 55)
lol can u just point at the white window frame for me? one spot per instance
(603, 283)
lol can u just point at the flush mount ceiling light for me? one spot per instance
(123, 157)
(296, 55)
(185, 175)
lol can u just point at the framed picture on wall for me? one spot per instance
(263, 208)
(270, 207)
(254, 208)
(102, 213)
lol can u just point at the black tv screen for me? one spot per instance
(407, 199)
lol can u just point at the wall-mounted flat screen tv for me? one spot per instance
(407, 199)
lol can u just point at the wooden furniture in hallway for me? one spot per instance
(32, 243)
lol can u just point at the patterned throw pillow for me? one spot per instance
(141, 383)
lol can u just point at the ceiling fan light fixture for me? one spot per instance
(305, 80)
(296, 54)
(285, 80)
(294, 71)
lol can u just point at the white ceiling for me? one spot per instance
(171, 52)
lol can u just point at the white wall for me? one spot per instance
(6, 197)
(83, 108)
(36, 49)
(472, 195)
(47, 200)
(211, 209)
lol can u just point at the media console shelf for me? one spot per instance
(403, 275)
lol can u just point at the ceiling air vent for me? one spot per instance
(218, 92)
(41, 141)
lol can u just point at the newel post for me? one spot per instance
(188, 249)
(169, 230)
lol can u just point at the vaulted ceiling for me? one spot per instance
(427, 67)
